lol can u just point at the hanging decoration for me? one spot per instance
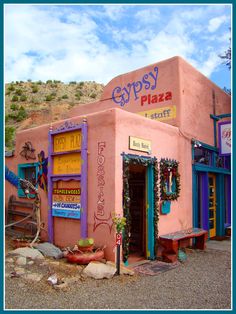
(28, 151)
(42, 178)
(137, 160)
(169, 179)
(11, 177)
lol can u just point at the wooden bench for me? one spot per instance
(18, 210)
(173, 241)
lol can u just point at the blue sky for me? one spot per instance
(99, 42)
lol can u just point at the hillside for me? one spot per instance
(30, 104)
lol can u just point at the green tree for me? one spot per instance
(9, 136)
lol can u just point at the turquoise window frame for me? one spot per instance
(21, 175)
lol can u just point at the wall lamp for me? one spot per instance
(196, 143)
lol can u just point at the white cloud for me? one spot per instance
(216, 22)
(98, 43)
(150, 15)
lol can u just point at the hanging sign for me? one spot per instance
(67, 141)
(224, 134)
(140, 144)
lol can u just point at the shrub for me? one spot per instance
(72, 83)
(53, 94)
(11, 88)
(18, 92)
(39, 82)
(29, 80)
(35, 89)
(9, 135)
(56, 82)
(23, 98)
(77, 96)
(79, 93)
(15, 98)
(81, 84)
(21, 114)
(64, 97)
(14, 107)
(8, 93)
(49, 98)
(93, 95)
(49, 82)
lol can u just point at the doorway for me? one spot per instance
(212, 204)
(137, 184)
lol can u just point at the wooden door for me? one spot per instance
(212, 204)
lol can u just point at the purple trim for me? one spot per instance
(84, 160)
(219, 137)
(67, 152)
(67, 127)
(66, 177)
(204, 201)
(50, 186)
(228, 195)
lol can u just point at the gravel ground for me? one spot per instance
(203, 281)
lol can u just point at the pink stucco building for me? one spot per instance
(147, 150)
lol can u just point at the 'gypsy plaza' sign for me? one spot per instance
(160, 114)
(140, 144)
(67, 141)
(66, 203)
(121, 95)
(224, 131)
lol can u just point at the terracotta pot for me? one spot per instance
(85, 258)
(85, 248)
(16, 243)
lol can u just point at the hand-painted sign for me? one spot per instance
(153, 99)
(67, 191)
(140, 144)
(67, 164)
(122, 95)
(225, 138)
(160, 114)
(66, 203)
(67, 141)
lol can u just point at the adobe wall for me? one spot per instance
(152, 91)
(166, 143)
(101, 133)
(200, 97)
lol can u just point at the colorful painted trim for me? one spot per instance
(11, 177)
(153, 165)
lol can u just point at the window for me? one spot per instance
(28, 172)
(203, 156)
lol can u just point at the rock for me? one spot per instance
(27, 252)
(99, 270)
(30, 263)
(9, 260)
(19, 271)
(48, 249)
(21, 261)
(123, 270)
(63, 286)
(33, 277)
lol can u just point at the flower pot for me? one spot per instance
(85, 258)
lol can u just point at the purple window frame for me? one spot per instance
(83, 177)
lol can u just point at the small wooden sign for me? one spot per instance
(67, 141)
(140, 144)
(67, 164)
